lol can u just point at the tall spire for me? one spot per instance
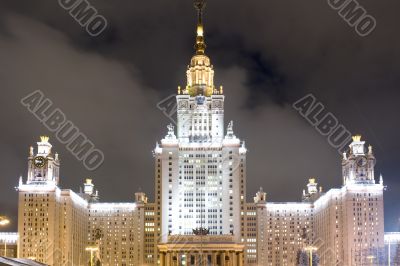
(200, 73)
(200, 45)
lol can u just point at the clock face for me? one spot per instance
(183, 104)
(218, 104)
(361, 161)
(39, 161)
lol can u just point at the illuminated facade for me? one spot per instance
(346, 225)
(56, 225)
(120, 227)
(200, 214)
(392, 248)
(200, 171)
(52, 222)
(8, 244)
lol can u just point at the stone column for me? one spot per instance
(222, 258)
(162, 259)
(241, 263)
(214, 258)
(187, 259)
(174, 259)
(231, 259)
(168, 260)
(236, 258)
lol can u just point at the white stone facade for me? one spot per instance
(346, 225)
(56, 225)
(200, 182)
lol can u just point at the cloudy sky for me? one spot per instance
(267, 54)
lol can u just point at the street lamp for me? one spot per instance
(310, 249)
(371, 258)
(91, 249)
(3, 222)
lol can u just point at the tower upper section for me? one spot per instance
(43, 167)
(358, 164)
(200, 106)
(200, 45)
(200, 72)
(200, 77)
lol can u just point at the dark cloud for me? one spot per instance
(267, 54)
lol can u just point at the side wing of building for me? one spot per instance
(116, 228)
(52, 225)
(60, 227)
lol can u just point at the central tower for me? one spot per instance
(200, 169)
(200, 104)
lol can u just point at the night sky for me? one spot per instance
(266, 54)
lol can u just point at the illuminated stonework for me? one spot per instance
(56, 225)
(8, 244)
(346, 225)
(200, 212)
(201, 250)
(200, 77)
(200, 73)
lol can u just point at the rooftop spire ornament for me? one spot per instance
(357, 138)
(44, 138)
(200, 45)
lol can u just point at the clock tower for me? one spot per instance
(43, 167)
(358, 164)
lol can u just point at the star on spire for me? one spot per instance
(200, 45)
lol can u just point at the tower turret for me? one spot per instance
(312, 191)
(42, 167)
(261, 197)
(88, 187)
(358, 165)
(140, 197)
(89, 193)
(312, 186)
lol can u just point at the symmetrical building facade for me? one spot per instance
(345, 226)
(58, 226)
(200, 214)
